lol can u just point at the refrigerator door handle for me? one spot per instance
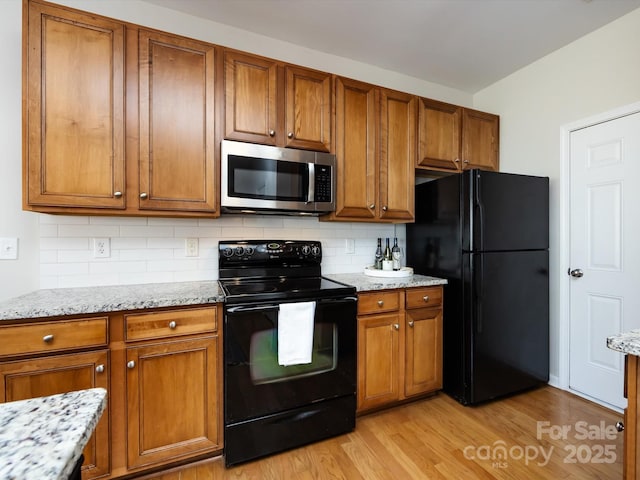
(478, 292)
(480, 223)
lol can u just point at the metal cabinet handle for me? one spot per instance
(144, 195)
(172, 325)
(117, 194)
(380, 303)
(465, 161)
(47, 338)
(411, 323)
(425, 298)
(396, 326)
(372, 206)
(100, 368)
(384, 208)
(457, 160)
(290, 134)
(272, 133)
(131, 364)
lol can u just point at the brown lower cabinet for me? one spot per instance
(399, 345)
(162, 371)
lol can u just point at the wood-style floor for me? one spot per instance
(546, 434)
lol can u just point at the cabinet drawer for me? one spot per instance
(377, 302)
(143, 326)
(423, 297)
(53, 336)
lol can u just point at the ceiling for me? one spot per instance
(463, 44)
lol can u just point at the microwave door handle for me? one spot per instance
(312, 183)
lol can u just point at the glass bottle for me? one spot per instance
(378, 258)
(395, 254)
(387, 251)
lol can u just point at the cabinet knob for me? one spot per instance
(457, 160)
(144, 195)
(465, 161)
(47, 338)
(396, 326)
(100, 368)
(131, 364)
(384, 208)
(380, 303)
(425, 298)
(290, 134)
(411, 323)
(372, 206)
(117, 194)
(272, 133)
(172, 325)
(619, 426)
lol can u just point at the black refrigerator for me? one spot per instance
(487, 233)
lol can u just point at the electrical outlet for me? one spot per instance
(8, 248)
(191, 247)
(349, 245)
(101, 248)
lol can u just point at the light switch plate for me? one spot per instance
(8, 248)
(349, 245)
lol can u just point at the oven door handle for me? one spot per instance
(341, 299)
(251, 309)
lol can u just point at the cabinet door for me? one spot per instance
(250, 98)
(176, 78)
(439, 130)
(307, 109)
(73, 110)
(356, 149)
(378, 359)
(480, 132)
(423, 351)
(45, 376)
(397, 155)
(172, 401)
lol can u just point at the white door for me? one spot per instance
(605, 253)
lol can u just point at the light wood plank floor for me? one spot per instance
(437, 438)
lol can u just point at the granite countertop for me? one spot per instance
(365, 283)
(87, 300)
(43, 438)
(628, 342)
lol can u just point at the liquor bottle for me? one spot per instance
(395, 253)
(378, 258)
(387, 251)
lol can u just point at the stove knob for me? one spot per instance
(306, 249)
(227, 252)
(248, 250)
(315, 250)
(239, 251)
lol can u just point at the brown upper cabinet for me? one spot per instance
(177, 148)
(375, 153)
(456, 138)
(80, 93)
(73, 109)
(272, 103)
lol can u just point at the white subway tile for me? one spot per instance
(48, 243)
(63, 219)
(48, 230)
(146, 231)
(61, 269)
(74, 256)
(88, 230)
(49, 281)
(119, 243)
(117, 267)
(177, 222)
(88, 281)
(165, 242)
(197, 231)
(104, 220)
(148, 277)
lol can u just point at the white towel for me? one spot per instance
(295, 333)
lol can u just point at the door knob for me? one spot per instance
(576, 273)
(619, 426)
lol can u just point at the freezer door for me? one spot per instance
(504, 211)
(510, 323)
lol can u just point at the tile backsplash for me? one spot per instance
(152, 250)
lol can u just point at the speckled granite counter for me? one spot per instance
(364, 283)
(628, 342)
(43, 438)
(86, 300)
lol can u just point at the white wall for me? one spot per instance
(596, 73)
(56, 251)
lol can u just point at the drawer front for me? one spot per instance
(53, 336)
(378, 302)
(423, 297)
(173, 323)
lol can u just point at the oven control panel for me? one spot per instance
(268, 251)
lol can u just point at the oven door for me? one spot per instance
(256, 385)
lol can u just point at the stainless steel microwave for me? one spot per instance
(266, 179)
